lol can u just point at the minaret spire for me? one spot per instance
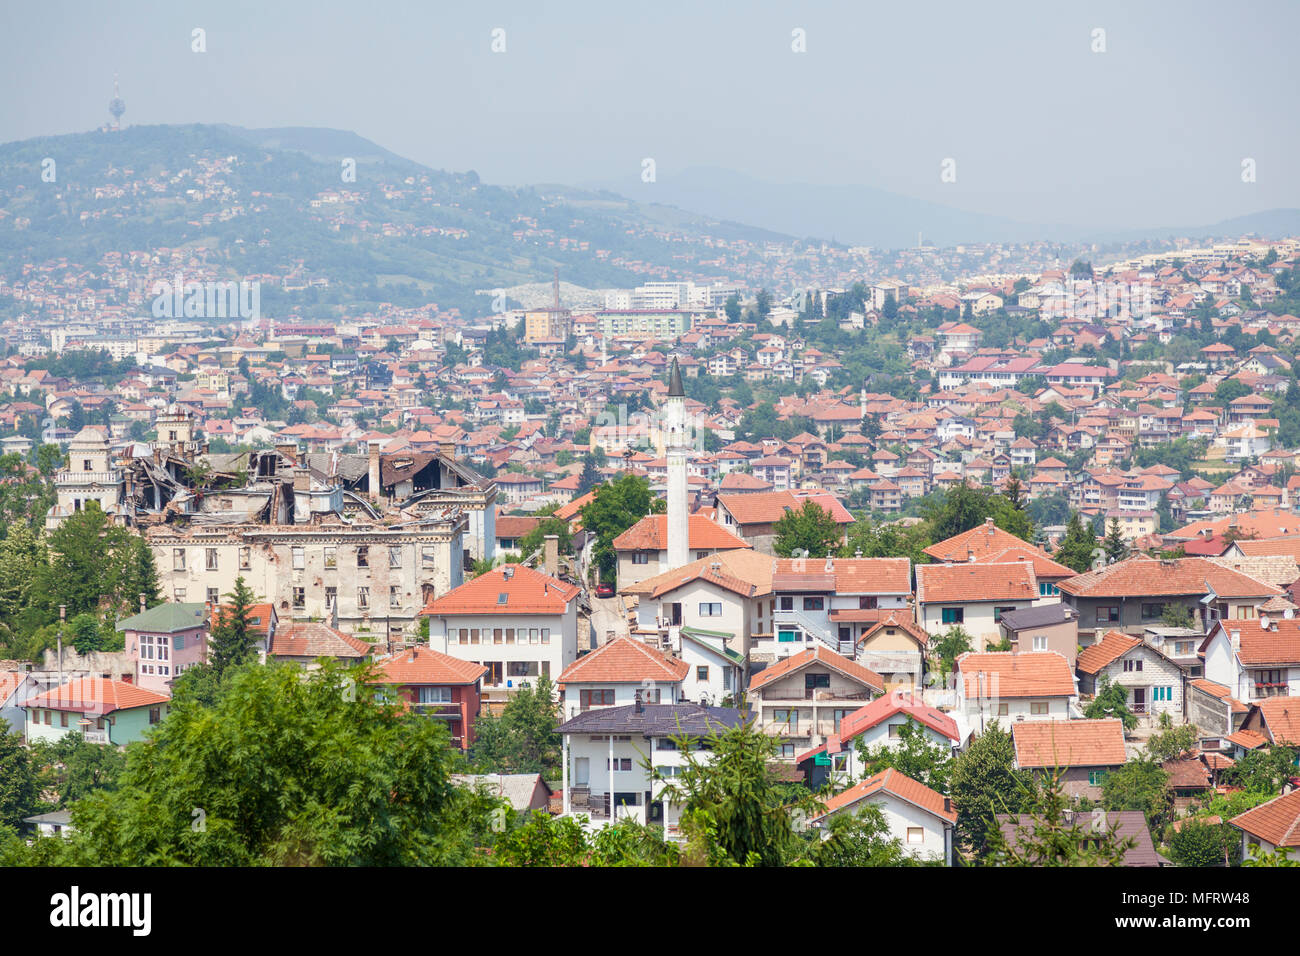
(674, 420)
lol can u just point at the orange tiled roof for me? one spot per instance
(1282, 719)
(899, 785)
(313, 639)
(625, 661)
(423, 665)
(509, 589)
(984, 540)
(651, 534)
(1280, 644)
(1008, 581)
(818, 655)
(1110, 648)
(1069, 743)
(1148, 577)
(743, 571)
(1035, 674)
(1277, 821)
(96, 695)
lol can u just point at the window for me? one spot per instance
(363, 597)
(510, 635)
(915, 835)
(331, 557)
(953, 615)
(63, 718)
(497, 635)
(640, 557)
(1132, 666)
(787, 637)
(299, 597)
(85, 464)
(999, 611)
(434, 695)
(1152, 611)
(1107, 614)
(1096, 777)
(710, 609)
(787, 604)
(299, 559)
(701, 673)
(895, 731)
(1004, 710)
(1162, 693)
(788, 719)
(596, 698)
(1038, 708)
(155, 714)
(428, 555)
(867, 602)
(363, 556)
(395, 556)
(473, 635)
(621, 764)
(533, 636)
(210, 558)
(178, 559)
(178, 595)
(815, 681)
(331, 595)
(1040, 642)
(178, 642)
(546, 635)
(786, 750)
(1047, 589)
(245, 558)
(814, 604)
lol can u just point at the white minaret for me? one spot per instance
(675, 451)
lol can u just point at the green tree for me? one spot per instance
(590, 476)
(1170, 742)
(18, 792)
(1114, 544)
(1050, 832)
(949, 646)
(72, 767)
(232, 638)
(616, 507)
(1263, 771)
(810, 532)
(1111, 700)
(985, 782)
(1201, 843)
(523, 738)
(1077, 546)
(914, 756)
(341, 779)
(1176, 615)
(861, 839)
(1140, 785)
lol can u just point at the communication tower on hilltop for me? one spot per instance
(116, 106)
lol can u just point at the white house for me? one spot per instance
(519, 623)
(880, 724)
(620, 673)
(1010, 687)
(921, 818)
(1256, 659)
(803, 698)
(974, 596)
(1152, 682)
(611, 755)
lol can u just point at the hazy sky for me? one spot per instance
(1150, 132)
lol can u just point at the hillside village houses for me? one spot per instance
(404, 455)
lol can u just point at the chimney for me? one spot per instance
(639, 708)
(947, 804)
(373, 479)
(970, 556)
(447, 449)
(142, 605)
(551, 553)
(288, 450)
(988, 524)
(301, 480)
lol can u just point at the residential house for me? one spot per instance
(643, 548)
(102, 711)
(437, 686)
(1153, 683)
(973, 596)
(1006, 687)
(306, 642)
(921, 819)
(1045, 627)
(1078, 752)
(1255, 659)
(1124, 824)
(164, 640)
(802, 699)
(619, 673)
(1270, 827)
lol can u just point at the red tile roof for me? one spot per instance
(625, 661)
(1280, 644)
(1069, 743)
(312, 639)
(1109, 649)
(525, 591)
(1277, 822)
(651, 534)
(1035, 674)
(896, 784)
(1011, 581)
(1281, 719)
(423, 665)
(96, 695)
(984, 540)
(883, 708)
(818, 655)
(1147, 577)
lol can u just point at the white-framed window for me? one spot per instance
(395, 556)
(1040, 642)
(299, 559)
(363, 597)
(435, 695)
(915, 835)
(710, 609)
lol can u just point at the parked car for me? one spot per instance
(604, 590)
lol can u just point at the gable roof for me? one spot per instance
(1148, 577)
(1277, 822)
(313, 639)
(651, 534)
(883, 708)
(654, 720)
(424, 665)
(509, 589)
(1281, 717)
(1109, 649)
(625, 660)
(96, 695)
(1069, 743)
(983, 540)
(166, 618)
(1032, 674)
(1010, 581)
(742, 571)
(817, 655)
(898, 785)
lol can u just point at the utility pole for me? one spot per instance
(63, 613)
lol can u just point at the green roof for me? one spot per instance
(166, 618)
(705, 638)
